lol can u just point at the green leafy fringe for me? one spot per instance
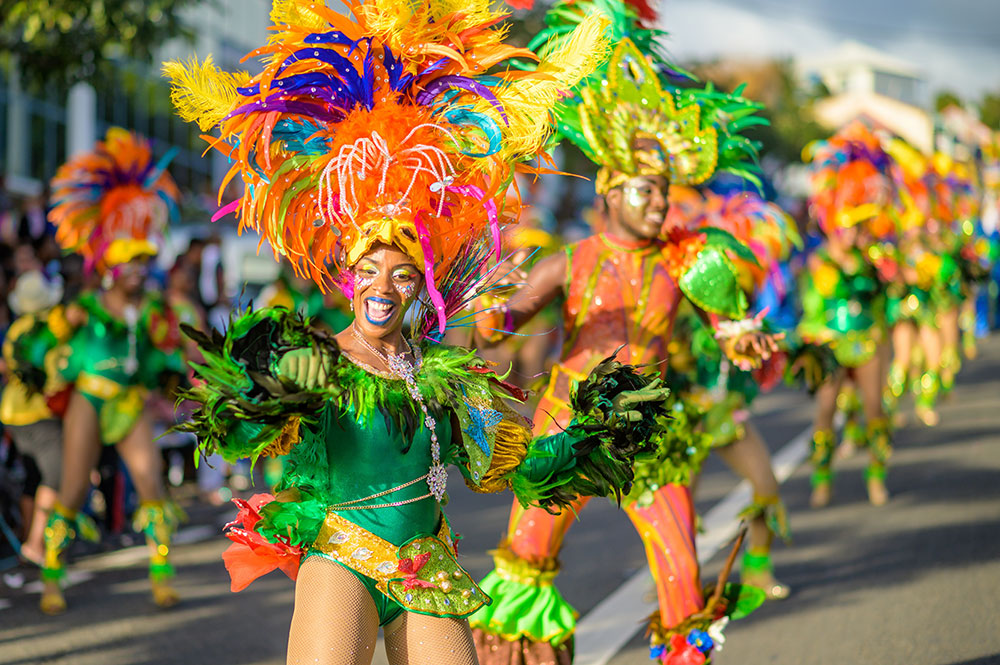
(605, 445)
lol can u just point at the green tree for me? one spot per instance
(65, 41)
(989, 110)
(946, 98)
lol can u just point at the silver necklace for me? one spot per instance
(400, 367)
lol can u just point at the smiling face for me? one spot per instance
(386, 281)
(637, 208)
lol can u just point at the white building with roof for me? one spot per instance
(867, 83)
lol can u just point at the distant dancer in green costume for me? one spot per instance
(109, 205)
(842, 297)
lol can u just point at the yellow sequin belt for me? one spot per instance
(423, 575)
(98, 386)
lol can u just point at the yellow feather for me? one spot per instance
(202, 93)
(474, 12)
(529, 101)
(387, 18)
(297, 13)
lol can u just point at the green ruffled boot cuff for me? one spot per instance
(54, 573)
(525, 603)
(161, 572)
(158, 520)
(951, 363)
(930, 386)
(821, 477)
(880, 440)
(756, 563)
(772, 509)
(62, 528)
(823, 443)
(875, 471)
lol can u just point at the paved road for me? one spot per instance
(915, 582)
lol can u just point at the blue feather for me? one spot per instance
(464, 116)
(160, 167)
(368, 81)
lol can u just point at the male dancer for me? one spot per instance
(622, 287)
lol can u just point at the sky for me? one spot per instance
(954, 43)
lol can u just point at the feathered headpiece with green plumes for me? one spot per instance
(383, 125)
(630, 100)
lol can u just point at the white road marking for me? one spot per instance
(603, 631)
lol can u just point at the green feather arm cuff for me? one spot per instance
(242, 406)
(595, 454)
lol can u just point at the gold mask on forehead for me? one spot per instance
(401, 233)
(124, 250)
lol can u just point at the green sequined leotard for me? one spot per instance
(842, 306)
(113, 363)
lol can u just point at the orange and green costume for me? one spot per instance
(630, 121)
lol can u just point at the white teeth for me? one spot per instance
(379, 310)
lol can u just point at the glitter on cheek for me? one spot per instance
(362, 283)
(405, 290)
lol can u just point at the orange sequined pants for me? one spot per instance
(667, 529)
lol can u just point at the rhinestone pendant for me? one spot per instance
(437, 480)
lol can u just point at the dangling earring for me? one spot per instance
(107, 281)
(352, 305)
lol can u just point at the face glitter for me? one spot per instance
(362, 282)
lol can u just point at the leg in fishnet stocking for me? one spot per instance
(335, 621)
(417, 639)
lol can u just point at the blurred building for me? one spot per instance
(39, 130)
(866, 83)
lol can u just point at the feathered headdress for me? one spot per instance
(630, 103)
(955, 190)
(113, 204)
(850, 179)
(382, 127)
(753, 220)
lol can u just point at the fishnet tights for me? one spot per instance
(418, 639)
(335, 623)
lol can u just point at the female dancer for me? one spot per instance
(912, 305)
(25, 411)
(375, 156)
(841, 300)
(109, 205)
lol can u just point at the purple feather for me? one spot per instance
(398, 80)
(341, 64)
(368, 81)
(289, 106)
(444, 83)
(334, 37)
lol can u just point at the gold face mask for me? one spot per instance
(394, 231)
(124, 250)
